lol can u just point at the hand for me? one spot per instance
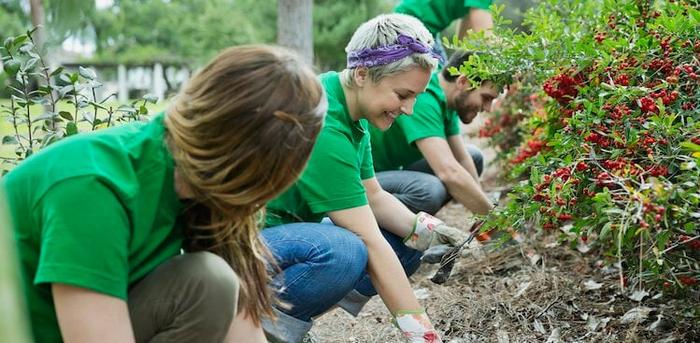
(429, 231)
(416, 327)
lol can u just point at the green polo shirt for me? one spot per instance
(437, 15)
(396, 148)
(340, 160)
(96, 210)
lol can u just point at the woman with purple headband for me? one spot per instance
(337, 236)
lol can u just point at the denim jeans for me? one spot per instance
(418, 188)
(321, 264)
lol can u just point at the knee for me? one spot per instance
(349, 255)
(215, 281)
(434, 195)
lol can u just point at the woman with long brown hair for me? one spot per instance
(101, 219)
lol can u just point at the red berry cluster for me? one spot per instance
(563, 87)
(597, 139)
(657, 170)
(688, 280)
(599, 37)
(581, 166)
(622, 80)
(654, 210)
(619, 112)
(688, 241)
(648, 105)
(666, 97)
(604, 179)
(532, 148)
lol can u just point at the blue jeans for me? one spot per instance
(321, 264)
(418, 188)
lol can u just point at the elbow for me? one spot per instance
(449, 174)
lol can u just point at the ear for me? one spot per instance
(361, 76)
(463, 83)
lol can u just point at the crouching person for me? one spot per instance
(100, 219)
(369, 242)
(422, 158)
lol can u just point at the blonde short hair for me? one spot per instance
(384, 30)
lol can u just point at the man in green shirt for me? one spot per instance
(422, 159)
(437, 15)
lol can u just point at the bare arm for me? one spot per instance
(391, 214)
(88, 316)
(459, 182)
(384, 268)
(477, 19)
(463, 157)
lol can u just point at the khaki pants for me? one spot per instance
(189, 298)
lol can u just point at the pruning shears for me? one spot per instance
(448, 260)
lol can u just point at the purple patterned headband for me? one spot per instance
(404, 46)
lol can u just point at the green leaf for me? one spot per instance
(8, 44)
(87, 73)
(56, 71)
(71, 128)
(26, 47)
(152, 98)
(691, 146)
(9, 140)
(12, 67)
(19, 40)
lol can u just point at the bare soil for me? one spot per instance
(535, 291)
(539, 290)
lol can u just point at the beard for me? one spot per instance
(466, 110)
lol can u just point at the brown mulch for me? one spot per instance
(540, 290)
(534, 291)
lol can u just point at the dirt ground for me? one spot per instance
(536, 291)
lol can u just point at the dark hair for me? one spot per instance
(456, 60)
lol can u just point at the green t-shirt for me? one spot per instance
(437, 15)
(396, 147)
(340, 160)
(97, 211)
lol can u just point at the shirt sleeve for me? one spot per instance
(367, 164)
(483, 4)
(453, 126)
(331, 180)
(426, 120)
(84, 237)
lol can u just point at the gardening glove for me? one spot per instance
(416, 327)
(429, 231)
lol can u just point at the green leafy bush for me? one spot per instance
(612, 157)
(30, 83)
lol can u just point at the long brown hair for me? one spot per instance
(241, 132)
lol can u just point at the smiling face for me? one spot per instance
(469, 102)
(382, 102)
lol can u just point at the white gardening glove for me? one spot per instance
(416, 327)
(429, 231)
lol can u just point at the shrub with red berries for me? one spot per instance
(614, 154)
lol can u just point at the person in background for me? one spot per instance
(369, 242)
(437, 15)
(100, 219)
(422, 159)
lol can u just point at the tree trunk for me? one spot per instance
(36, 9)
(295, 27)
